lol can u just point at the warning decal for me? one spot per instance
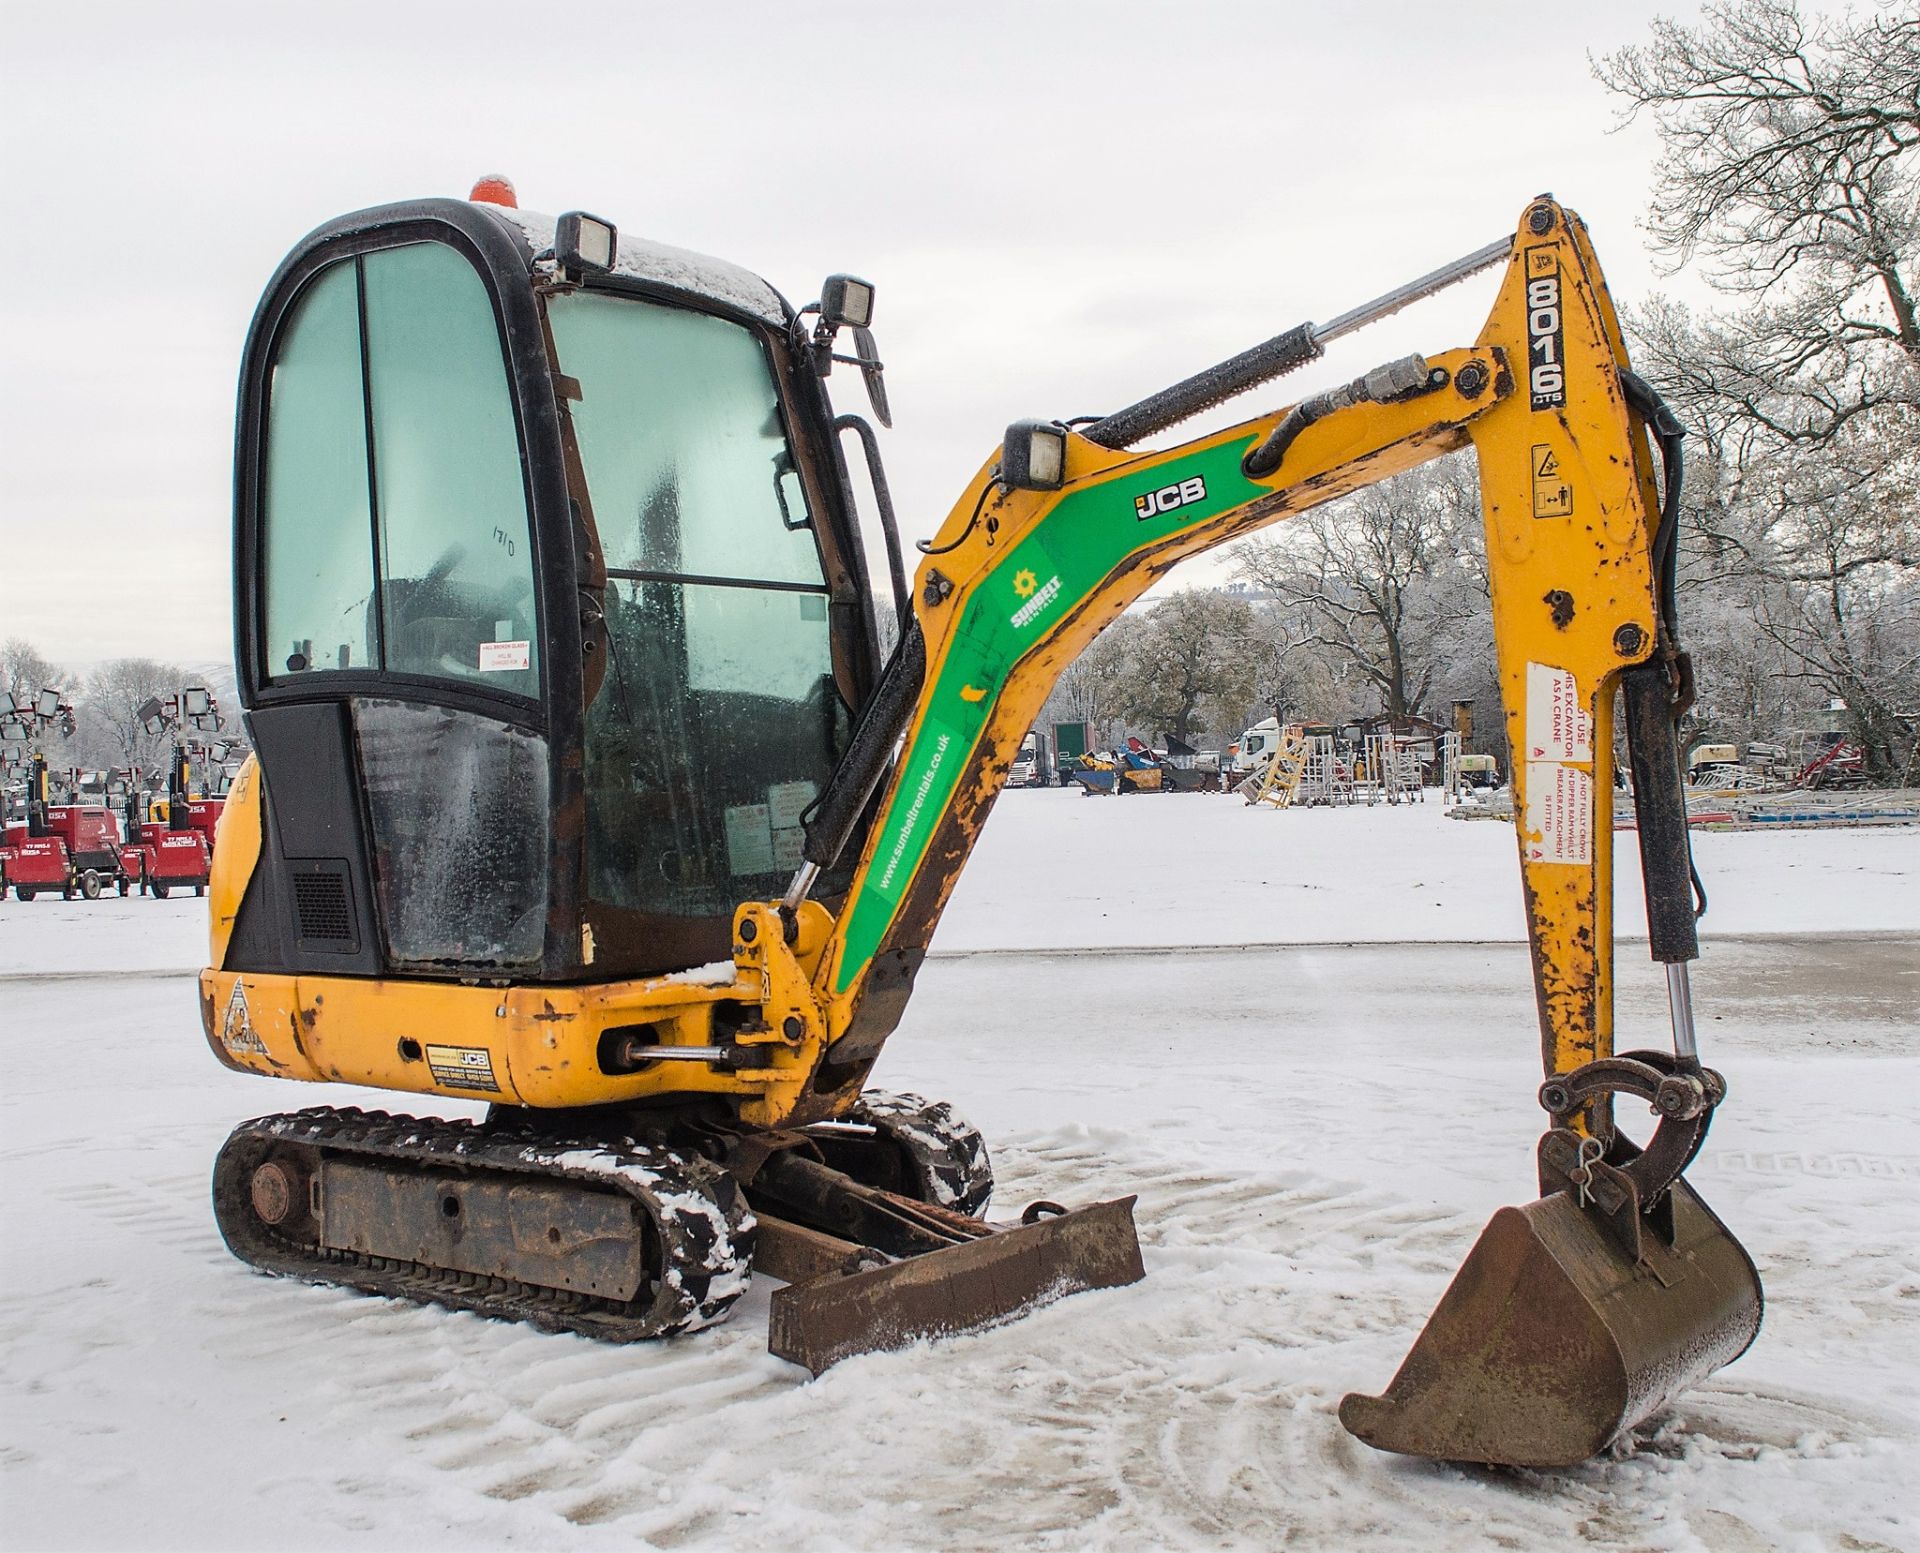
(236, 1028)
(749, 839)
(1559, 815)
(1559, 726)
(1552, 496)
(462, 1067)
(502, 657)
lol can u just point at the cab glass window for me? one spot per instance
(394, 505)
(318, 553)
(681, 432)
(456, 573)
(717, 721)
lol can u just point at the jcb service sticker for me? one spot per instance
(462, 1067)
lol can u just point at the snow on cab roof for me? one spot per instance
(665, 265)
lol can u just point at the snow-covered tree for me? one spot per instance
(1791, 175)
(108, 709)
(24, 673)
(1389, 582)
(1187, 665)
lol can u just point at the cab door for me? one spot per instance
(398, 647)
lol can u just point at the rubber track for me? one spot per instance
(708, 1255)
(946, 1149)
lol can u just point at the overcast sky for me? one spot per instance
(1063, 206)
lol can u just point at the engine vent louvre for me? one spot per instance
(321, 906)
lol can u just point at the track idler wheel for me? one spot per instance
(1576, 1316)
(923, 1149)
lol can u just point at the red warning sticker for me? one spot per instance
(1559, 725)
(1559, 813)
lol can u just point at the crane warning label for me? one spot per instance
(1559, 813)
(1559, 726)
(462, 1067)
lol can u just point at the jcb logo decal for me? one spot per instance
(1546, 336)
(1168, 497)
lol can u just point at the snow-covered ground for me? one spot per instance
(1316, 1128)
(1056, 870)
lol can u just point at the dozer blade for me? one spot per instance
(1552, 1339)
(960, 1288)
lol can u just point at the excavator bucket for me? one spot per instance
(981, 1282)
(1554, 1338)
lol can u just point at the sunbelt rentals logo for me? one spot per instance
(1038, 596)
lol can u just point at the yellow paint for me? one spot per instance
(236, 853)
(1566, 498)
(544, 1042)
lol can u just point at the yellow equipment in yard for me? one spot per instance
(582, 789)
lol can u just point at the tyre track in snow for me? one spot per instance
(1193, 1410)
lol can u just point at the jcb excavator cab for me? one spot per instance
(561, 523)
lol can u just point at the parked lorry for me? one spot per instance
(1033, 766)
(1072, 743)
(1255, 747)
(1477, 771)
(1714, 765)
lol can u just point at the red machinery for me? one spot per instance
(80, 848)
(174, 852)
(1838, 762)
(70, 847)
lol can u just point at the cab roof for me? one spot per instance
(661, 264)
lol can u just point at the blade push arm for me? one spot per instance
(1019, 581)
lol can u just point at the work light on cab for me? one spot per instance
(584, 244)
(846, 302)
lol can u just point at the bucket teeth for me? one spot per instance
(961, 1288)
(1551, 1341)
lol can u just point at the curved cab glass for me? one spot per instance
(717, 720)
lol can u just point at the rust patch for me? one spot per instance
(210, 1028)
(1561, 603)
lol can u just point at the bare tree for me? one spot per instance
(24, 673)
(1789, 171)
(1786, 162)
(1380, 579)
(1188, 664)
(110, 731)
(1086, 691)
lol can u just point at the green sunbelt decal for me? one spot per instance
(1042, 580)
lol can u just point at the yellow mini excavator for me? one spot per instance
(584, 788)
